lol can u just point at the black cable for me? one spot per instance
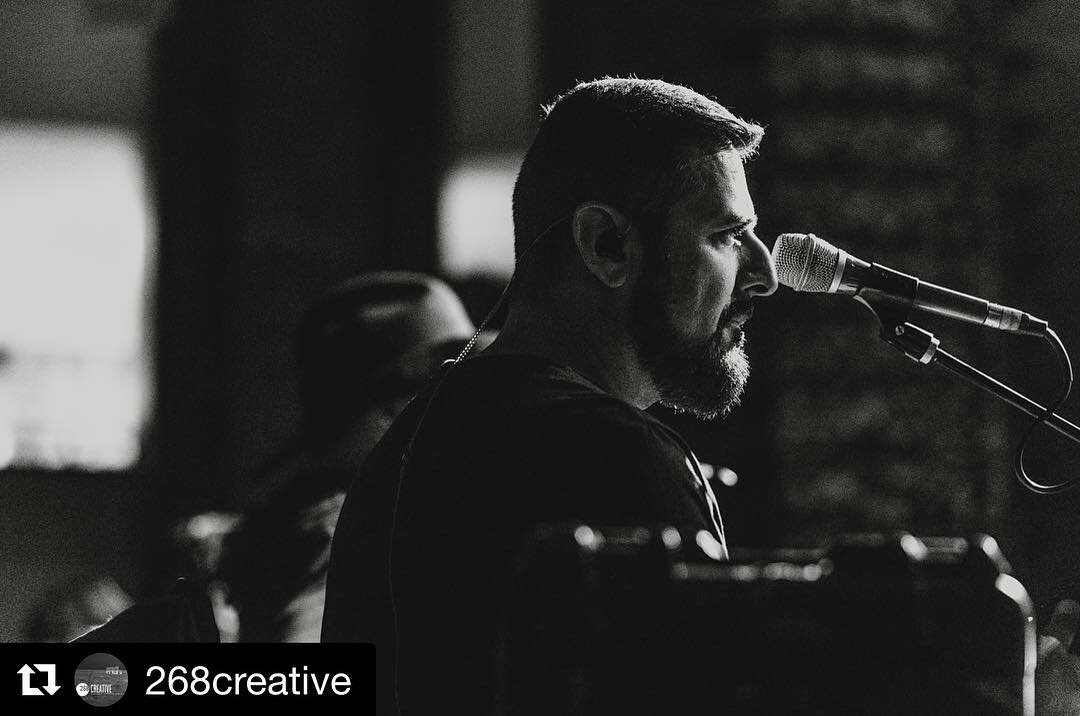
(1018, 464)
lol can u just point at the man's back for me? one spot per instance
(507, 443)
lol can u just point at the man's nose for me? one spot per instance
(757, 275)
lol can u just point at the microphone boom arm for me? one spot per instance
(921, 346)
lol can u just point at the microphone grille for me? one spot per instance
(804, 262)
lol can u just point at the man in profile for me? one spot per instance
(636, 267)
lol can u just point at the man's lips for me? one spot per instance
(739, 313)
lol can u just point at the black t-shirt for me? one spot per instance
(507, 443)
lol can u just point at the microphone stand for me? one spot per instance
(923, 347)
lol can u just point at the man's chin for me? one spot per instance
(707, 387)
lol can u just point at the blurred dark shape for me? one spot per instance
(185, 614)
(199, 541)
(364, 349)
(194, 609)
(198, 544)
(638, 621)
(373, 340)
(74, 608)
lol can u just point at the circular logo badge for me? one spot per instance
(101, 679)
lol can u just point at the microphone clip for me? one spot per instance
(916, 343)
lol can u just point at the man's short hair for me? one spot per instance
(622, 141)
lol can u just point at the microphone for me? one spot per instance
(807, 263)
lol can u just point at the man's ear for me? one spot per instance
(600, 234)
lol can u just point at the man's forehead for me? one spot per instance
(718, 167)
(719, 181)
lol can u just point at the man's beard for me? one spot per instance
(703, 379)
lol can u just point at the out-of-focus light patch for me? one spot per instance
(727, 476)
(783, 571)
(587, 538)
(745, 572)
(208, 525)
(709, 545)
(476, 226)
(74, 240)
(913, 547)
(671, 538)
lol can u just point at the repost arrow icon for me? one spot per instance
(52, 687)
(27, 689)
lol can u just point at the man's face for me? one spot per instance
(694, 292)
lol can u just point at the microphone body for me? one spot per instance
(807, 263)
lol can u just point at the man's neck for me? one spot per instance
(596, 347)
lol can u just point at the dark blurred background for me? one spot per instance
(261, 151)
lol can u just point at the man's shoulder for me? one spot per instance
(541, 402)
(532, 386)
(531, 414)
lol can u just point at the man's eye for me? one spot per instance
(729, 238)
